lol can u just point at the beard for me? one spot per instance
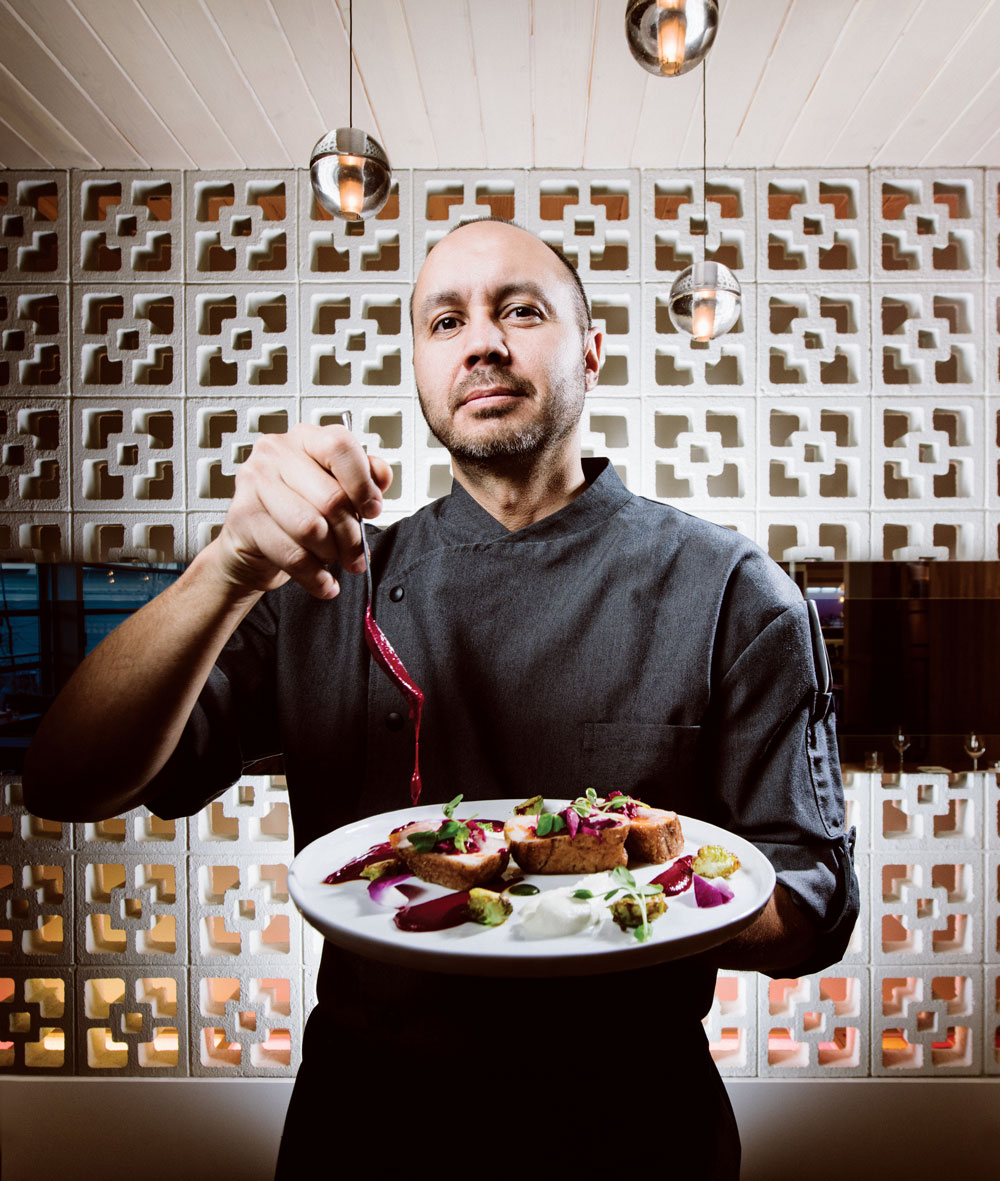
(556, 419)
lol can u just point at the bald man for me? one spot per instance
(566, 634)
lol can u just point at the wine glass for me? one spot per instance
(974, 748)
(873, 760)
(902, 743)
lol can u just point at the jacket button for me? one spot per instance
(396, 594)
(394, 721)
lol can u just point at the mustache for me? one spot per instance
(487, 377)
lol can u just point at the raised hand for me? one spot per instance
(296, 507)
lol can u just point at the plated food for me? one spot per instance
(592, 836)
(591, 847)
(459, 854)
(373, 906)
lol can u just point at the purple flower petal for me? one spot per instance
(708, 893)
(383, 890)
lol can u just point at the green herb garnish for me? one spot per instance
(635, 899)
(585, 804)
(612, 804)
(549, 823)
(424, 839)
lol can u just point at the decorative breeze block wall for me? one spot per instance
(136, 946)
(152, 324)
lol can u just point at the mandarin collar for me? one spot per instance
(462, 515)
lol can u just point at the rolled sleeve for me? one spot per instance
(778, 778)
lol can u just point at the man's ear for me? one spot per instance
(593, 354)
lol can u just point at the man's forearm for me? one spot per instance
(297, 508)
(780, 937)
(118, 719)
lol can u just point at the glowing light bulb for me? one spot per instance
(703, 317)
(671, 35)
(350, 174)
(351, 186)
(705, 301)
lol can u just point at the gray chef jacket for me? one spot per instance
(616, 644)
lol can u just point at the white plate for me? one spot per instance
(345, 914)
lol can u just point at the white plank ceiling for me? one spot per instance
(494, 84)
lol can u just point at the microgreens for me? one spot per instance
(590, 801)
(618, 803)
(585, 804)
(626, 886)
(424, 840)
(549, 823)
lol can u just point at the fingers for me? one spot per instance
(273, 556)
(337, 450)
(298, 497)
(381, 474)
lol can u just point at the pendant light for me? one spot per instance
(349, 170)
(705, 300)
(670, 36)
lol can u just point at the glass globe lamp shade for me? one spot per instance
(705, 301)
(350, 174)
(670, 36)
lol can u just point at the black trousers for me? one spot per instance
(519, 1093)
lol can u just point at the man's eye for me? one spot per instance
(523, 311)
(445, 324)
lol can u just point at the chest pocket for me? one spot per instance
(659, 764)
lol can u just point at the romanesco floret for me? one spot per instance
(488, 908)
(627, 912)
(715, 862)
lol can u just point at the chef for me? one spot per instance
(566, 634)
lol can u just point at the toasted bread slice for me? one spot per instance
(654, 835)
(456, 871)
(584, 853)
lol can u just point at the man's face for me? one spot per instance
(502, 361)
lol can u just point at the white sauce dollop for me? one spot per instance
(556, 912)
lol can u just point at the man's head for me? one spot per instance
(583, 304)
(503, 350)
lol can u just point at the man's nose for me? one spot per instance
(486, 343)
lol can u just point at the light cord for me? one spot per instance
(704, 157)
(350, 63)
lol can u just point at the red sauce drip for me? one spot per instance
(386, 658)
(351, 872)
